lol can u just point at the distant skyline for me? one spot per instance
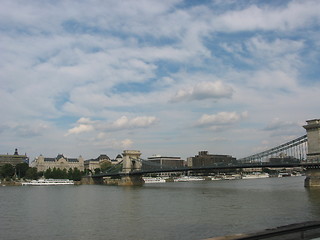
(167, 77)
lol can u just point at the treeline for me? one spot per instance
(20, 171)
(23, 171)
(56, 173)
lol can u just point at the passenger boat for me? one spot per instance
(154, 180)
(188, 179)
(48, 182)
(255, 175)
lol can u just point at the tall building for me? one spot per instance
(13, 159)
(204, 159)
(43, 163)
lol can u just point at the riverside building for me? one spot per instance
(204, 159)
(92, 164)
(60, 162)
(13, 159)
(162, 162)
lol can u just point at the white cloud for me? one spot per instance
(126, 143)
(220, 119)
(138, 122)
(204, 90)
(80, 129)
(296, 14)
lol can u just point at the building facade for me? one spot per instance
(13, 159)
(163, 162)
(203, 159)
(92, 164)
(60, 162)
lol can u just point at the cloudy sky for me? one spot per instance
(168, 77)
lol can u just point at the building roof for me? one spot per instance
(59, 156)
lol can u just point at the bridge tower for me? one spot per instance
(131, 163)
(313, 155)
(313, 135)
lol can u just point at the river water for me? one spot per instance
(180, 210)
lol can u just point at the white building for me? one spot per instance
(60, 162)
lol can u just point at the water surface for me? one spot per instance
(181, 210)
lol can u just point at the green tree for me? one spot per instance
(76, 174)
(48, 173)
(70, 173)
(97, 170)
(105, 165)
(21, 169)
(7, 171)
(32, 173)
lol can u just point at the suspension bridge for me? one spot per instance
(303, 151)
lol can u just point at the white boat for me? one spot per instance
(255, 175)
(48, 182)
(188, 179)
(154, 180)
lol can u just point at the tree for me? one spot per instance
(76, 174)
(7, 171)
(21, 169)
(105, 165)
(32, 173)
(48, 173)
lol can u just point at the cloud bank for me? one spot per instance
(165, 77)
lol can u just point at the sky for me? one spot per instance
(168, 77)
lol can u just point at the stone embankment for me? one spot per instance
(306, 231)
(10, 183)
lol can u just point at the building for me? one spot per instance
(117, 160)
(13, 159)
(60, 162)
(92, 164)
(203, 159)
(162, 162)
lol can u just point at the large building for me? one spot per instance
(162, 162)
(203, 159)
(60, 162)
(92, 164)
(13, 159)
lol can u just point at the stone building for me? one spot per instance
(13, 159)
(92, 164)
(204, 159)
(60, 162)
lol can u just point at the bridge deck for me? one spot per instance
(206, 168)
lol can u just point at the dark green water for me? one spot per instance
(193, 210)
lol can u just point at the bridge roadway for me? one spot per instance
(216, 167)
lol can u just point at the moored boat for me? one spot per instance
(48, 182)
(188, 179)
(154, 180)
(255, 175)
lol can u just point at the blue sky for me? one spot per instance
(165, 77)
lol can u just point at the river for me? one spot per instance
(179, 210)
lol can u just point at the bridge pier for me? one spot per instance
(135, 180)
(313, 156)
(312, 178)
